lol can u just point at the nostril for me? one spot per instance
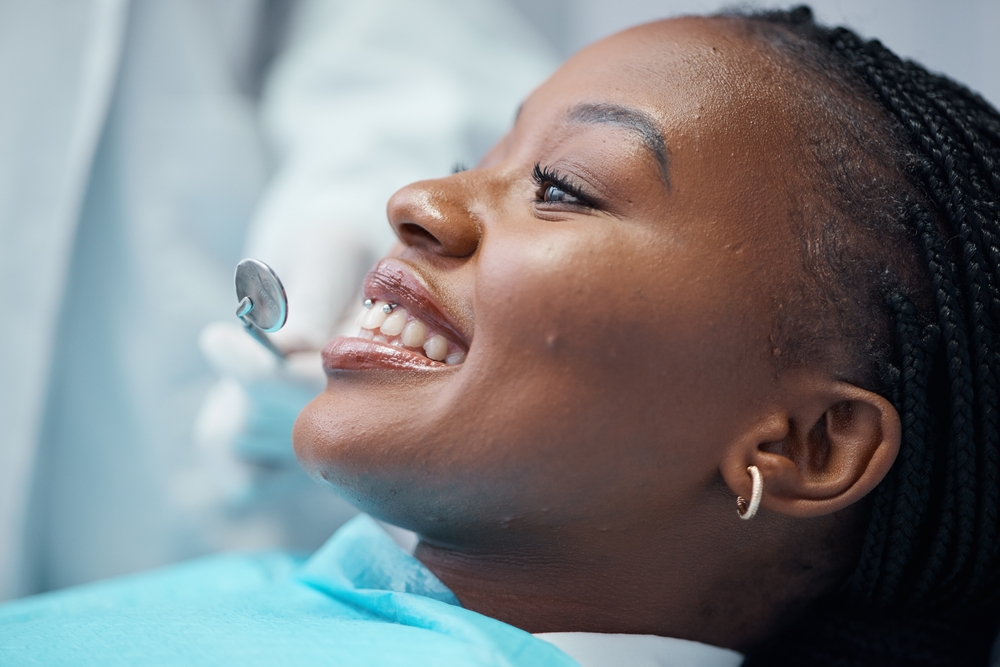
(414, 234)
(435, 216)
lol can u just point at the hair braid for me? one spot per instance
(957, 527)
(943, 281)
(925, 589)
(918, 457)
(977, 156)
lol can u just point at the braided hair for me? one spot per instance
(925, 587)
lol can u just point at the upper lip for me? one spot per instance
(394, 281)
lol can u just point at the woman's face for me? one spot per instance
(609, 271)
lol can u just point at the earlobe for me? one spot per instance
(822, 453)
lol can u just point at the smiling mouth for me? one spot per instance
(392, 325)
(402, 326)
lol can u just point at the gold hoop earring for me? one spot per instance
(748, 510)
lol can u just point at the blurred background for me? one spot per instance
(147, 145)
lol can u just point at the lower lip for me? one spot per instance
(355, 354)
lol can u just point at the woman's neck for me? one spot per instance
(716, 587)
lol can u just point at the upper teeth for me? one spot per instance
(393, 321)
(394, 324)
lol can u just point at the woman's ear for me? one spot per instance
(823, 450)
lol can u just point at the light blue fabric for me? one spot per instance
(360, 600)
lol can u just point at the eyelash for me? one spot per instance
(544, 177)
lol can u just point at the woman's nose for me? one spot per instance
(435, 216)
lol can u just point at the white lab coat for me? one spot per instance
(132, 158)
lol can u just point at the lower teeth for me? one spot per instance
(452, 359)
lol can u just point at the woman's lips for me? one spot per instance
(393, 281)
(401, 326)
(352, 354)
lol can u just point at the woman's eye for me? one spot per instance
(555, 194)
(555, 189)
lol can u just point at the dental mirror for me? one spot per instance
(263, 305)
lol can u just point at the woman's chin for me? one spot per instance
(366, 461)
(408, 482)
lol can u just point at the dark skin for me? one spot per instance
(579, 471)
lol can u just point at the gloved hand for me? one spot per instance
(245, 422)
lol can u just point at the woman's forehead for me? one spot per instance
(688, 76)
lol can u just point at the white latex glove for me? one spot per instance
(245, 422)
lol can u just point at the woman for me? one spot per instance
(714, 260)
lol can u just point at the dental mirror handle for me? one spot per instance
(241, 312)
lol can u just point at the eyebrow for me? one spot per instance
(630, 119)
